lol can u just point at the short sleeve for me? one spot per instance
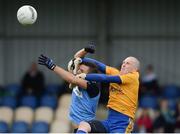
(112, 71)
(128, 78)
(93, 89)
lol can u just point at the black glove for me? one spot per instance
(43, 60)
(91, 47)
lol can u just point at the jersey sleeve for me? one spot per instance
(112, 71)
(101, 66)
(127, 78)
(103, 78)
(93, 89)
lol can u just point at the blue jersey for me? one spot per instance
(83, 107)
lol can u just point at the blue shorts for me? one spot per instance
(115, 123)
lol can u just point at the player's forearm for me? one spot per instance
(103, 78)
(80, 54)
(67, 76)
(88, 49)
(101, 67)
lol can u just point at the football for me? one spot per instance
(27, 15)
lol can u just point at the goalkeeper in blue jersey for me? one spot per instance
(85, 94)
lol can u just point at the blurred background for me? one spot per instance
(146, 29)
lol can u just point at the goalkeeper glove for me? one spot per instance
(43, 60)
(91, 47)
(73, 65)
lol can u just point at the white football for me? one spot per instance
(27, 15)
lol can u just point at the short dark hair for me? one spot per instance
(93, 67)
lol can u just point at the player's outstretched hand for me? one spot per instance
(43, 60)
(91, 47)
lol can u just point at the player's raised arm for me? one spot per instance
(79, 57)
(88, 49)
(100, 66)
(67, 76)
(73, 64)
